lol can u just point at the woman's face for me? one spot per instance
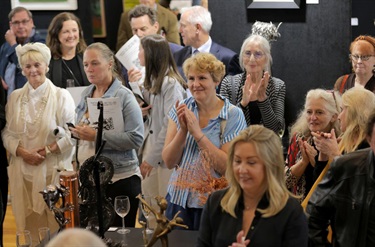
(249, 169)
(35, 72)
(201, 85)
(97, 69)
(69, 34)
(360, 66)
(141, 56)
(254, 59)
(317, 116)
(342, 117)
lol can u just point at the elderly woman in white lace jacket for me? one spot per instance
(37, 156)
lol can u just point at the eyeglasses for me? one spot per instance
(17, 23)
(357, 57)
(257, 55)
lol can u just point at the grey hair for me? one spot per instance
(199, 15)
(17, 10)
(264, 45)
(41, 48)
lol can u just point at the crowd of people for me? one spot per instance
(201, 108)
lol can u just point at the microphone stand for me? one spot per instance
(99, 145)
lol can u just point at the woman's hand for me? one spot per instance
(134, 75)
(193, 124)
(254, 88)
(31, 157)
(181, 109)
(326, 143)
(241, 242)
(144, 109)
(145, 169)
(309, 152)
(84, 132)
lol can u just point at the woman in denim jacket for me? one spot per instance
(100, 68)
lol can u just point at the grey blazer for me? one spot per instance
(157, 122)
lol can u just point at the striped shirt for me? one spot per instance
(271, 110)
(234, 121)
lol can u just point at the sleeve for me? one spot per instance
(2, 108)
(272, 109)
(226, 88)
(172, 30)
(293, 149)
(124, 32)
(296, 232)
(205, 231)
(10, 140)
(235, 123)
(170, 96)
(338, 82)
(320, 209)
(132, 137)
(66, 110)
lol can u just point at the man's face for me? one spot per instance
(371, 139)
(21, 25)
(141, 26)
(149, 3)
(188, 31)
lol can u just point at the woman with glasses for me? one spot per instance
(357, 105)
(259, 95)
(362, 56)
(65, 39)
(319, 115)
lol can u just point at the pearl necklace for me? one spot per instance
(32, 124)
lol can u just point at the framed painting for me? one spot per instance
(273, 4)
(46, 4)
(98, 19)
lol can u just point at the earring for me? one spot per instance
(23, 73)
(373, 71)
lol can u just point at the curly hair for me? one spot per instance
(205, 62)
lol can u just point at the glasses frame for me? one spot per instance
(257, 55)
(18, 23)
(357, 57)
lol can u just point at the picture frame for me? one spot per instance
(46, 4)
(98, 19)
(273, 4)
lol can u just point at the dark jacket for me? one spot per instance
(56, 68)
(288, 228)
(342, 199)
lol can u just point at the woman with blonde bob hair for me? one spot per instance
(357, 105)
(257, 198)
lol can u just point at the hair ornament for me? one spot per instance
(268, 30)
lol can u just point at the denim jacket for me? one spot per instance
(120, 147)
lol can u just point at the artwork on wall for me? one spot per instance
(46, 4)
(98, 19)
(273, 4)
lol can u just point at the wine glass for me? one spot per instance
(23, 239)
(44, 235)
(146, 211)
(122, 207)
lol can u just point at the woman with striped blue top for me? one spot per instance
(202, 124)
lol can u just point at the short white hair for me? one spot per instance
(76, 237)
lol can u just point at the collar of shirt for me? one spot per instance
(204, 48)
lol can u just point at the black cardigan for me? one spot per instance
(218, 228)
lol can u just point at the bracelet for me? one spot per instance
(48, 150)
(200, 138)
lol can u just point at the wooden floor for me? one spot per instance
(9, 229)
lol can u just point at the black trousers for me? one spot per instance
(130, 187)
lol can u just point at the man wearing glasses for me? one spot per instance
(21, 31)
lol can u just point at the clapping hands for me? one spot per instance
(327, 144)
(241, 242)
(255, 88)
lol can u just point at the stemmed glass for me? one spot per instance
(23, 239)
(122, 207)
(44, 235)
(146, 211)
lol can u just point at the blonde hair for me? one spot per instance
(360, 103)
(268, 147)
(332, 103)
(205, 62)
